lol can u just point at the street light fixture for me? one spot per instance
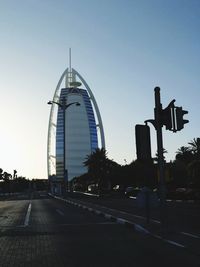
(64, 106)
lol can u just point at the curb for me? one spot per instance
(129, 224)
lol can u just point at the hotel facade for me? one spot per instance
(83, 129)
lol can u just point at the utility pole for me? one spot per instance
(161, 162)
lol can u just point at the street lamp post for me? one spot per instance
(64, 106)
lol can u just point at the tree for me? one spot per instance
(194, 172)
(100, 168)
(195, 147)
(14, 174)
(7, 176)
(1, 174)
(156, 155)
(96, 161)
(183, 150)
(184, 154)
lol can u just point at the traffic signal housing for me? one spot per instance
(180, 121)
(166, 118)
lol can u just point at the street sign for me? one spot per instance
(143, 142)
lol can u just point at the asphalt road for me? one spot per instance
(41, 231)
(181, 216)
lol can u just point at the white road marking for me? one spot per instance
(156, 221)
(120, 220)
(60, 212)
(169, 241)
(157, 236)
(26, 221)
(85, 224)
(133, 197)
(174, 243)
(191, 235)
(139, 228)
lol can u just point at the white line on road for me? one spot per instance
(87, 224)
(174, 243)
(191, 235)
(156, 221)
(60, 212)
(26, 221)
(169, 241)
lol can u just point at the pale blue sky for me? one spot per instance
(122, 48)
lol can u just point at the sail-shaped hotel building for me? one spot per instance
(74, 132)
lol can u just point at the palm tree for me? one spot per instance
(156, 155)
(96, 160)
(184, 154)
(183, 150)
(14, 174)
(98, 166)
(194, 166)
(1, 174)
(194, 172)
(7, 176)
(195, 147)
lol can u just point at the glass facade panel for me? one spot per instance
(80, 133)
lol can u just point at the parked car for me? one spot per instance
(131, 191)
(92, 188)
(118, 191)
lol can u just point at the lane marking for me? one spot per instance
(157, 236)
(156, 221)
(140, 228)
(60, 212)
(133, 197)
(169, 241)
(85, 224)
(191, 235)
(26, 221)
(174, 243)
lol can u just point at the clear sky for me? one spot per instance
(122, 48)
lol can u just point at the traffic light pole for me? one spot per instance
(172, 118)
(161, 162)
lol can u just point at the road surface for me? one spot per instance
(42, 231)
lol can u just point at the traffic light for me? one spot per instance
(179, 118)
(166, 118)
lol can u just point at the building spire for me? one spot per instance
(70, 63)
(68, 75)
(70, 80)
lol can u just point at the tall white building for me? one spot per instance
(83, 127)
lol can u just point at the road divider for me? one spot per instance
(107, 213)
(107, 216)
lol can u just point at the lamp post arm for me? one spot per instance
(68, 105)
(54, 102)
